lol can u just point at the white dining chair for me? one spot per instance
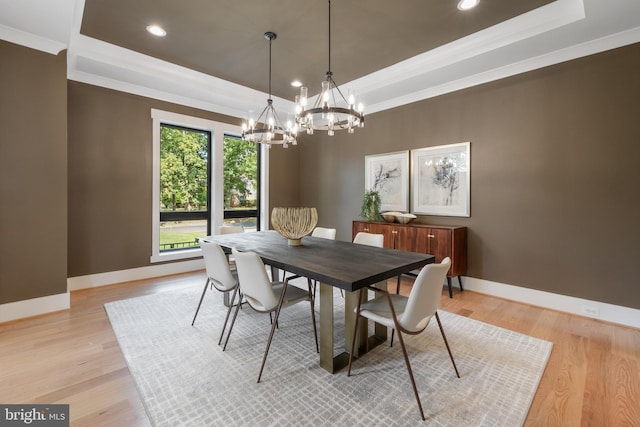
(230, 229)
(409, 315)
(325, 233)
(265, 296)
(220, 276)
(370, 239)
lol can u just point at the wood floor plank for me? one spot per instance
(72, 356)
(598, 392)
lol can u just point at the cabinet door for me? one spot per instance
(412, 239)
(439, 241)
(357, 227)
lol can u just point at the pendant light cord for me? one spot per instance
(270, 40)
(329, 36)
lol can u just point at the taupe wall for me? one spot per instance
(33, 173)
(284, 182)
(110, 144)
(554, 175)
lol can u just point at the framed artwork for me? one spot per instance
(388, 174)
(441, 180)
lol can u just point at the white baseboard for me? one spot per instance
(113, 277)
(49, 304)
(594, 309)
(34, 307)
(598, 310)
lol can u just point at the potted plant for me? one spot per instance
(371, 206)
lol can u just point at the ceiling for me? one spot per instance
(225, 38)
(215, 55)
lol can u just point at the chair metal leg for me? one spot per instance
(406, 357)
(235, 314)
(226, 319)
(393, 331)
(355, 332)
(273, 328)
(447, 344)
(206, 284)
(413, 381)
(313, 314)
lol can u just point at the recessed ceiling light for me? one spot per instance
(156, 30)
(296, 83)
(467, 4)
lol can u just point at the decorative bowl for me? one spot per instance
(405, 218)
(294, 223)
(389, 217)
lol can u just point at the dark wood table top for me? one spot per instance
(344, 265)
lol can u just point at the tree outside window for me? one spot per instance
(184, 189)
(241, 184)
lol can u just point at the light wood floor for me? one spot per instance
(592, 379)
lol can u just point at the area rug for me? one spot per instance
(185, 379)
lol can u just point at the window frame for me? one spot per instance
(199, 214)
(218, 131)
(236, 213)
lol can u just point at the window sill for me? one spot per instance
(177, 255)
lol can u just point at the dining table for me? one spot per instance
(334, 264)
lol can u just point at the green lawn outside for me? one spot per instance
(167, 237)
(186, 232)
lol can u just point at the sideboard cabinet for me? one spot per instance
(439, 240)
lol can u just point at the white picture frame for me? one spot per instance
(389, 175)
(441, 179)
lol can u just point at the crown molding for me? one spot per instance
(98, 63)
(527, 25)
(570, 28)
(30, 40)
(562, 55)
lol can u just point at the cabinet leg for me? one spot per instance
(449, 284)
(460, 283)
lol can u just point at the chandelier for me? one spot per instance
(331, 110)
(268, 128)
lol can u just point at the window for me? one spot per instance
(176, 210)
(185, 170)
(241, 183)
